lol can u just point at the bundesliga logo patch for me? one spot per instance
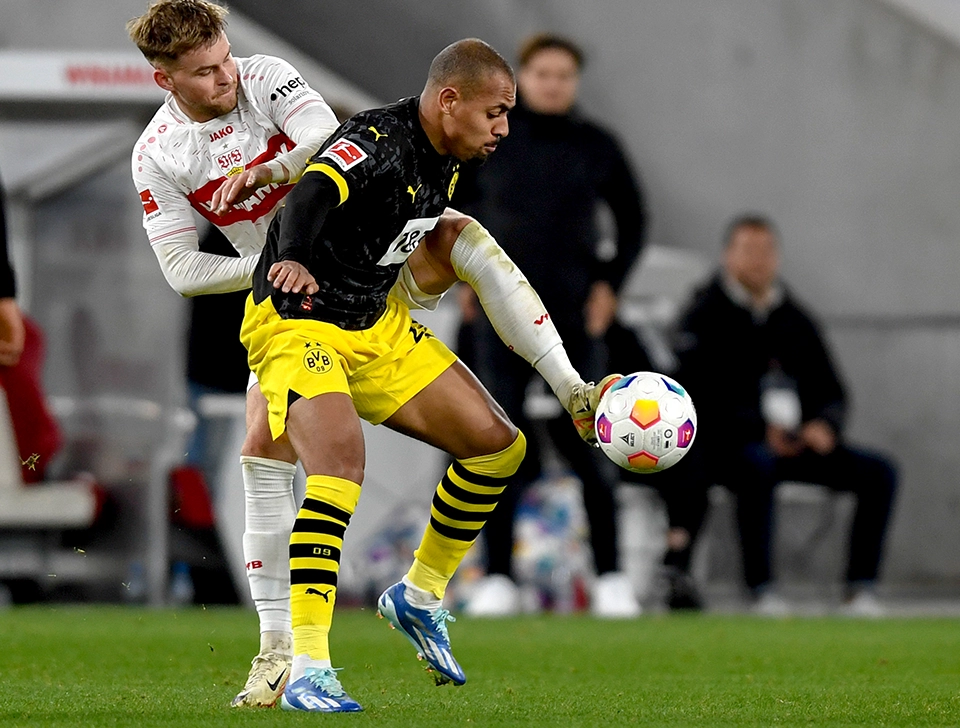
(345, 154)
(150, 207)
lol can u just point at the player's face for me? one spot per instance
(753, 258)
(203, 81)
(549, 81)
(475, 124)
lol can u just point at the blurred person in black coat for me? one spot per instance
(772, 407)
(12, 330)
(539, 197)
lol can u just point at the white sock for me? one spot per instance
(421, 598)
(270, 513)
(513, 307)
(279, 642)
(302, 662)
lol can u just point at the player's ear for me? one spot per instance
(448, 98)
(162, 79)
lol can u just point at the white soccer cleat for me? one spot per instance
(613, 597)
(771, 604)
(582, 406)
(494, 596)
(268, 676)
(864, 604)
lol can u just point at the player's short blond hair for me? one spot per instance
(171, 28)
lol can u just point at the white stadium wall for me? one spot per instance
(839, 118)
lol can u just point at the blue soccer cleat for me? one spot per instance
(318, 691)
(426, 630)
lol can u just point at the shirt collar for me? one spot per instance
(738, 293)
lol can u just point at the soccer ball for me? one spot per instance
(646, 422)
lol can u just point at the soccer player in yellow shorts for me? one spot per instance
(330, 345)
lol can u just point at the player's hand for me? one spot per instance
(819, 436)
(13, 334)
(240, 187)
(782, 442)
(582, 406)
(291, 277)
(600, 309)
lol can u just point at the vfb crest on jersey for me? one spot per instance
(231, 163)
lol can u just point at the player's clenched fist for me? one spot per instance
(292, 277)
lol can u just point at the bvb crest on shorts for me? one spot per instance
(316, 359)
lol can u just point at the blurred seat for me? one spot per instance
(37, 504)
(809, 545)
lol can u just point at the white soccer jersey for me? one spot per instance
(179, 163)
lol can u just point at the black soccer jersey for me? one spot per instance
(393, 186)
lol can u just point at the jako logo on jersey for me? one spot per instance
(150, 205)
(218, 135)
(289, 86)
(345, 153)
(543, 319)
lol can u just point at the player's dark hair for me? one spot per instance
(171, 28)
(466, 65)
(753, 220)
(548, 41)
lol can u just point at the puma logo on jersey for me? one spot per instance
(543, 318)
(413, 192)
(325, 595)
(377, 134)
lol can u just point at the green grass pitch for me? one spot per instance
(97, 666)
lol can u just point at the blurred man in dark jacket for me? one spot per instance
(771, 408)
(539, 197)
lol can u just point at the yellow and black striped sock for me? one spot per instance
(465, 497)
(315, 546)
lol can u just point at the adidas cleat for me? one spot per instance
(318, 691)
(265, 683)
(426, 630)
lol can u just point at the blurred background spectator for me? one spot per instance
(21, 370)
(772, 408)
(539, 196)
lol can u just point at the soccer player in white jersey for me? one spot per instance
(231, 138)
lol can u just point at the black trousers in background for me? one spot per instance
(506, 376)
(756, 471)
(683, 490)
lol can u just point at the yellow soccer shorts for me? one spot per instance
(381, 368)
